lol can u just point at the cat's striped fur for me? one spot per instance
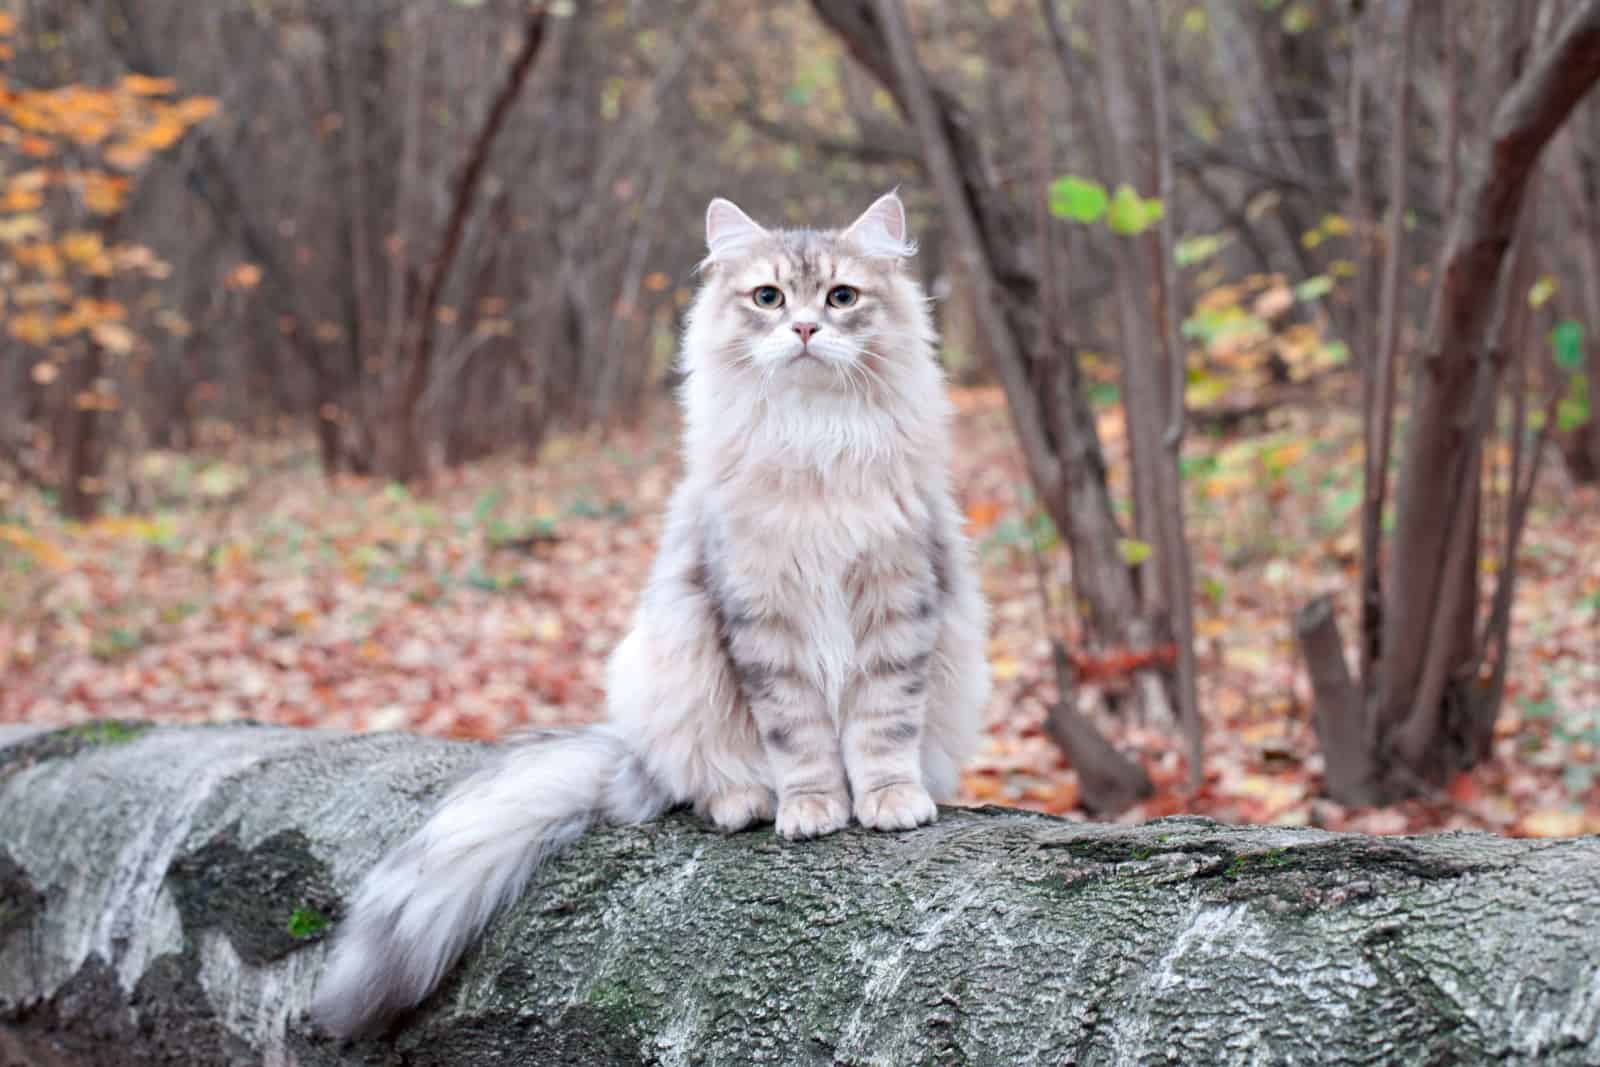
(811, 641)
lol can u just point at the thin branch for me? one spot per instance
(1176, 547)
(1380, 423)
(533, 34)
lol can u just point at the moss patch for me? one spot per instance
(60, 744)
(269, 900)
(306, 922)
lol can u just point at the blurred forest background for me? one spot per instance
(335, 368)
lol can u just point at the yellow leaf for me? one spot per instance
(40, 550)
(21, 228)
(197, 109)
(143, 85)
(1133, 552)
(163, 133)
(113, 337)
(173, 323)
(125, 155)
(41, 257)
(1004, 668)
(1553, 822)
(30, 328)
(20, 198)
(1274, 302)
(81, 246)
(243, 278)
(1541, 292)
(1335, 225)
(104, 193)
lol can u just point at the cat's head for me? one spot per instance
(815, 309)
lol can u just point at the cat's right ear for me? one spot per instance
(728, 229)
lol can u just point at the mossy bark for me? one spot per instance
(164, 895)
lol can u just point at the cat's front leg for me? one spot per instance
(896, 614)
(882, 743)
(802, 749)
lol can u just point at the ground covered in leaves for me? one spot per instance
(251, 588)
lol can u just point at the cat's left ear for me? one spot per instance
(728, 229)
(880, 232)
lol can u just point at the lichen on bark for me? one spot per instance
(165, 872)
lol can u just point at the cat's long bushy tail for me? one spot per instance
(425, 902)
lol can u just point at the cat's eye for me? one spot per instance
(842, 296)
(768, 296)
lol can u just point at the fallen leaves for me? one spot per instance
(257, 590)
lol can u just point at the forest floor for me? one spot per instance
(254, 589)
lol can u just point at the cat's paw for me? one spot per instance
(735, 809)
(813, 814)
(898, 806)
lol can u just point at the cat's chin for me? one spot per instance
(810, 370)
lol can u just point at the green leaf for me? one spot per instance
(1199, 248)
(1131, 213)
(1133, 552)
(1340, 507)
(1574, 411)
(485, 505)
(1078, 199)
(1566, 338)
(1314, 288)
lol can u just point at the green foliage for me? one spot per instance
(1199, 248)
(107, 731)
(1086, 200)
(1131, 213)
(1337, 511)
(1134, 552)
(1566, 339)
(1036, 533)
(1313, 288)
(306, 922)
(1078, 199)
(1574, 409)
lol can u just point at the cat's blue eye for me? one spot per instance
(842, 296)
(768, 296)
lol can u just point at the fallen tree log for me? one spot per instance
(164, 893)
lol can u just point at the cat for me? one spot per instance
(810, 644)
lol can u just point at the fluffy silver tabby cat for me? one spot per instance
(811, 642)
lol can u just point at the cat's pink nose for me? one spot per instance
(805, 330)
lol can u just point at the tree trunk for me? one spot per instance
(1425, 715)
(405, 456)
(1049, 409)
(162, 894)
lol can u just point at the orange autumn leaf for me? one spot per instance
(982, 514)
(143, 85)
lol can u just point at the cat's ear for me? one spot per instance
(880, 232)
(728, 229)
